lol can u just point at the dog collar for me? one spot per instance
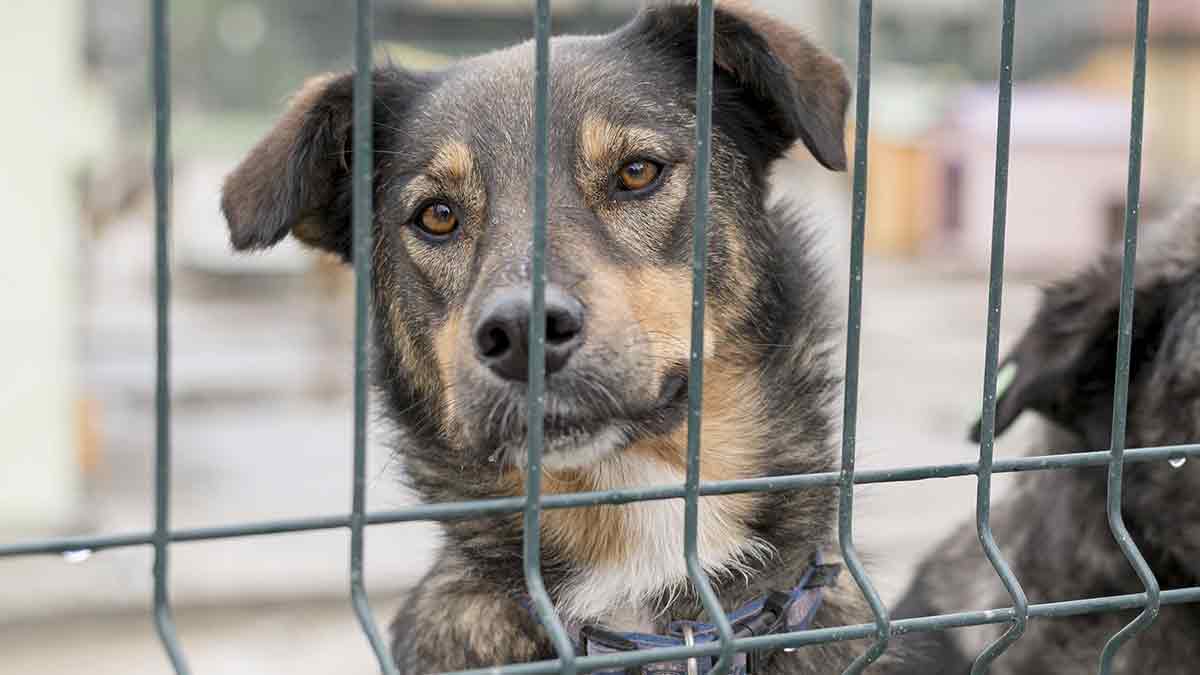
(776, 612)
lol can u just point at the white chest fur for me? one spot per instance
(620, 594)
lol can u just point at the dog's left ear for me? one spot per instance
(799, 91)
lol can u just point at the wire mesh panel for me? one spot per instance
(533, 502)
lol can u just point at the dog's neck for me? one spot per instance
(629, 560)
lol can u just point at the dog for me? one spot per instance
(453, 175)
(1053, 529)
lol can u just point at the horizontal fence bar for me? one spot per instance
(508, 505)
(856, 632)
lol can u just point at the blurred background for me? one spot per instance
(261, 345)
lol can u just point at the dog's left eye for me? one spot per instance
(638, 175)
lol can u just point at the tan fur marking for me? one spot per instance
(660, 301)
(731, 431)
(595, 534)
(424, 376)
(445, 346)
(450, 174)
(602, 143)
(735, 304)
(604, 146)
(453, 161)
(592, 534)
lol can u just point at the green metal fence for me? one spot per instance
(531, 505)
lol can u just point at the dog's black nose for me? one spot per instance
(502, 334)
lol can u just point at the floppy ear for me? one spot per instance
(799, 91)
(297, 178)
(1064, 367)
(291, 179)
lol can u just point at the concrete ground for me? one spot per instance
(262, 430)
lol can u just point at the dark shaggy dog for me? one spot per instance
(1053, 529)
(452, 179)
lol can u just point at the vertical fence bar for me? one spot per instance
(164, 623)
(537, 348)
(1120, 408)
(362, 185)
(858, 219)
(695, 570)
(983, 495)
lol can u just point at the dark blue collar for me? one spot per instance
(777, 612)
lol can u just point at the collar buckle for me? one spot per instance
(607, 641)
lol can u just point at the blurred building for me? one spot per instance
(236, 60)
(906, 105)
(60, 121)
(963, 36)
(934, 133)
(1173, 84)
(1066, 180)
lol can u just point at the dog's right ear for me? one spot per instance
(297, 178)
(290, 180)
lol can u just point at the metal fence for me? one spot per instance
(1015, 617)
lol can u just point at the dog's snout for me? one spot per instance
(502, 333)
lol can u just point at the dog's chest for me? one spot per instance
(627, 593)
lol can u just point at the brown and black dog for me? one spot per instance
(1053, 528)
(453, 170)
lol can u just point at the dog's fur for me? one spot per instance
(1053, 529)
(616, 413)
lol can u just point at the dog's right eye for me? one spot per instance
(437, 220)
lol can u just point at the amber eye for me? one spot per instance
(438, 219)
(638, 175)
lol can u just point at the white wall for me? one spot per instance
(43, 122)
(1056, 206)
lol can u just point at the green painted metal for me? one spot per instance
(362, 168)
(531, 505)
(164, 623)
(695, 570)
(858, 222)
(856, 632)
(491, 507)
(537, 350)
(1124, 346)
(983, 496)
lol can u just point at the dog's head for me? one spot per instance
(453, 177)
(1064, 367)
